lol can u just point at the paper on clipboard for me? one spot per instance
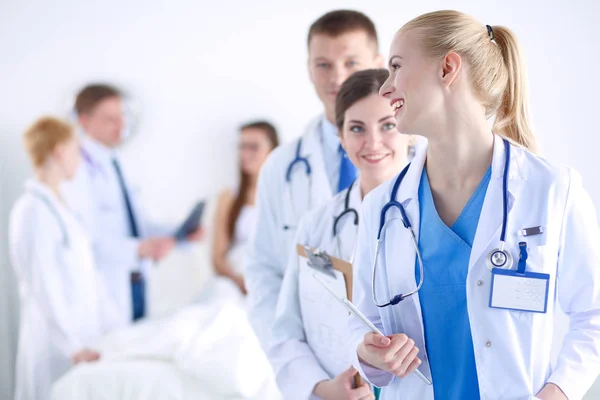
(325, 319)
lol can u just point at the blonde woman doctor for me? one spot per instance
(504, 236)
(65, 307)
(368, 134)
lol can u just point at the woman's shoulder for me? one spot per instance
(319, 220)
(225, 198)
(30, 215)
(227, 194)
(29, 209)
(545, 173)
(326, 211)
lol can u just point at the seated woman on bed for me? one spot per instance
(210, 341)
(235, 216)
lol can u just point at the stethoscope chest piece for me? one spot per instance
(498, 258)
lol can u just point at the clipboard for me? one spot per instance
(322, 261)
(191, 223)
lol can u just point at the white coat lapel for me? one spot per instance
(398, 247)
(400, 258)
(320, 188)
(299, 199)
(490, 219)
(347, 226)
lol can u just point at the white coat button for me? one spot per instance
(488, 344)
(479, 283)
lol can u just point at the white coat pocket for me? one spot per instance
(536, 262)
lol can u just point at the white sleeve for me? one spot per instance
(297, 370)
(578, 282)
(36, 254)
(361, 296)
(153, 229)
(263, 270)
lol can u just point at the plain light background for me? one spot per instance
(199, 69)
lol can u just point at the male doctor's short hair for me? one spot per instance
(339, 22)
(89, 97)
(42, 137)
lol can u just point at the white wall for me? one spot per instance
(201, 68)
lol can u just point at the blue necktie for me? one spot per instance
(138, 284)
(133, 228)
(347, 170)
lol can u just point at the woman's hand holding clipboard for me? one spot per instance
(381, 345)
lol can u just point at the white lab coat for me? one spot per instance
(280, 207)
(64, 303)
(96, 198)
(512, 348)
(298, 368)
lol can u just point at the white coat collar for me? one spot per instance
(355, 197)
(329, 136)
(311, 149)
(491, 213)
(96, 154)
(398, 250)
(347, 227)
(488, 229)
(409, 189)
(354, 202)
(38, 188)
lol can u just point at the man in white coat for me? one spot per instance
(124, 240)
(309, 171)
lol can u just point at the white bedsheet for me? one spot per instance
(135, 379)
(208, 349)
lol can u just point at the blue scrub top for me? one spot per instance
(446, 252)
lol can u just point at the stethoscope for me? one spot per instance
(497, 258)
(56, 214)
(298, 159)
(347, 211)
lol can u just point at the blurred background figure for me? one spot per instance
(64, 304)
(236, 215)
(207, 346)
(125, 241)
(189, 85)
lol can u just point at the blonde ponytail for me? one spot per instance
(512, 117)
(496, 67)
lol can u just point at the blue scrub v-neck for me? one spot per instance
(446, 252)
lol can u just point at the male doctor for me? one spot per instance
(124, 241)
(339, 43)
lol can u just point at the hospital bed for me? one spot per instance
(202, 350)
(205, 351)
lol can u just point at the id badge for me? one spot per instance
(513, 290)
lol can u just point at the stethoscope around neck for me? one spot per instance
(347, 211)
(55, 213)
(497, 258)
(298, 159)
